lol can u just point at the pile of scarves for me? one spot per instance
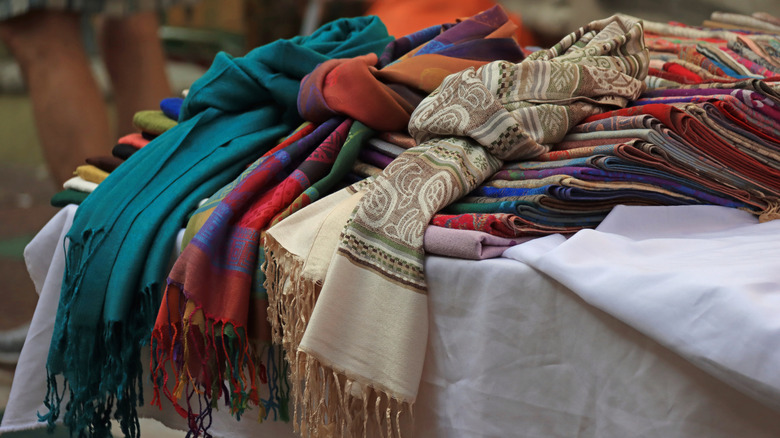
(345, 276)
(149, 125)
(710, 146)
(684, 55)
(212, 331)
(711, 138)
(123, 236)
(305, 175)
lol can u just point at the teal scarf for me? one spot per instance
(120, 245)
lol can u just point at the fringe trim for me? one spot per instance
(101, 368)
(209, 359)
(103, 375)
(278, 401)
(203, 354)
(771, 212)
(327, 401)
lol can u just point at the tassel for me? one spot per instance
(209, 359)
(771, 213)
(324, 399)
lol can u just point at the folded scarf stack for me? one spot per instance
(683, 55)
(713, 146)
(149, 123)
(709, 140)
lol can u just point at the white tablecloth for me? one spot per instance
(642, 330)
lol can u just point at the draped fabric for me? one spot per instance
(222, 256)
(122, 238)
(342, 165)
(350, 267)
(202, 338)
(404, 78)
(515, 148)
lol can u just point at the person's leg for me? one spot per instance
(70, 114)
(135, 61)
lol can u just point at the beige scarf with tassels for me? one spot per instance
(345, 275)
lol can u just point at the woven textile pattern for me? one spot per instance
(373, 288)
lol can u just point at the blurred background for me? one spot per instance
(192, 35)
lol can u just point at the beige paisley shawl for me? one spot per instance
(345, 275)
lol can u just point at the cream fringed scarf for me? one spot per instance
(345, 275)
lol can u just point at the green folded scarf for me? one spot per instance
(153, 121)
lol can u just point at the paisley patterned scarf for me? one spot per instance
(345, 275)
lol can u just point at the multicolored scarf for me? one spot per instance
(391, 88)
(345, 276)
(638, 160)
(120, 245)
(222, 256)
(203, 338)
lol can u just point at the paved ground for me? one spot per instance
(25, 190)
(24, 209)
